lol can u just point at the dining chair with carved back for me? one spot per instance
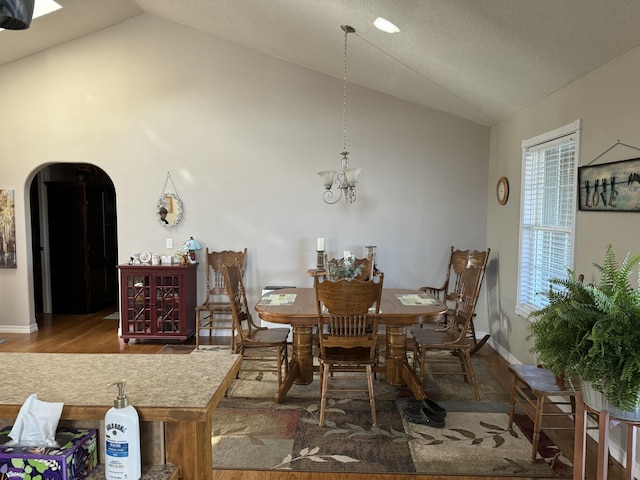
(348, 330)
(452, 344)
(450, 290)
(255, 343)
(214, 313)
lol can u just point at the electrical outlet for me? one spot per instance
(169, 243)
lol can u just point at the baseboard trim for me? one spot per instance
(19, 328)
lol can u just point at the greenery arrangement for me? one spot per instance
(593, 331)
(343, 269)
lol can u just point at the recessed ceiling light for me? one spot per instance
(42, 7)
(385, 25)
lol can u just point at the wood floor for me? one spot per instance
(93, 334)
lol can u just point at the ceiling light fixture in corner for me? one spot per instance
(17, 14)
(385, 25)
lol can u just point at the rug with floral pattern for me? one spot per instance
(251, 431)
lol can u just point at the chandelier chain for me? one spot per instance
(344, 97)
(346, 179)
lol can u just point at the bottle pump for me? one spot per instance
(122, 439)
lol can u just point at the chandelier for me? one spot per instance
(16, 14)
(346, 179)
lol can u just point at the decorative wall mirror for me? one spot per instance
(169, 209)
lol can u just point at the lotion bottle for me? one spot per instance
(122, 439)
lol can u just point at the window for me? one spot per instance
(547, 218)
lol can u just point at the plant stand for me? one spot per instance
(579, 450)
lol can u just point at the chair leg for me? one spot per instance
(479, 344)
(324, 375)
(286, 360)
(442, 324)
(233, 336)
(423, 365)
(375, 372)
(372, 398)
(472, 332)
(197, 330)
(419, 362)
(471, 373)
(463, 365)
(283, 358)
(414, 360)
(279, 362)
(240, 351)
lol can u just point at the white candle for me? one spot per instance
(347, 254)
(320, 244)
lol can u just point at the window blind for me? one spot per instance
(547, 217)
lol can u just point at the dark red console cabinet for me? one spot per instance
(157, 302)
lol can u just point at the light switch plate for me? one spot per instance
(169, 243)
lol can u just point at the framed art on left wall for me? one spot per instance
(7, 229)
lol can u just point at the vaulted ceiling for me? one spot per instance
(477, 59)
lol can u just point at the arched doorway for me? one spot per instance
(74, 239)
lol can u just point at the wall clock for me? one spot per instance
(502, 190)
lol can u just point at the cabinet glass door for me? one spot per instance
(138, 314)
(167, 301)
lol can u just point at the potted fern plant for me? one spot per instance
(593, 332)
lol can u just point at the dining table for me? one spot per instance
(399, 308)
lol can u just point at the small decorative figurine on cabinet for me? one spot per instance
(191, 246)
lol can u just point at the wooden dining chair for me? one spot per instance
(451, 289)
(256, 344)
(215, 312)
(452, 342)
(348, 331)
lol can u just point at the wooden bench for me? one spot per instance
(532, 390)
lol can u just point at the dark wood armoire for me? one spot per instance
(83, 246)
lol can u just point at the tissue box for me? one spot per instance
(74, 459)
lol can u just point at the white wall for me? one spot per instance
(608, 102)
(243, 136)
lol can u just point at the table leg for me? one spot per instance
(301, 364)
(412, 382)
(292, 374)
(395, 355)
(188, 444)
(397, 369)
(303, 354)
